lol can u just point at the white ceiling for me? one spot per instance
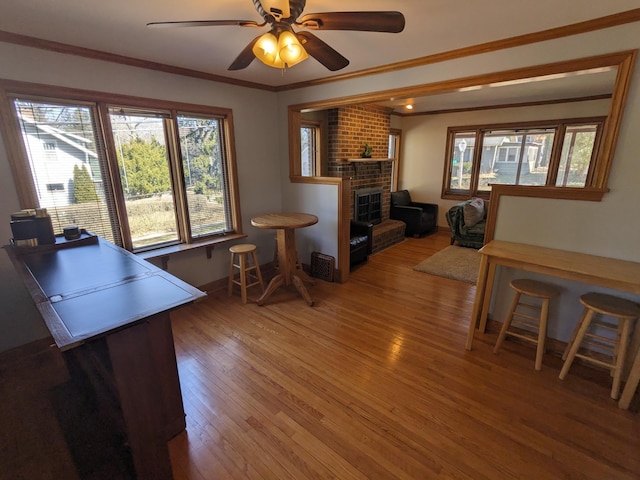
(432, 26)
(571, 85)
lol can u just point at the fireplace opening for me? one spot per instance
(367, 206)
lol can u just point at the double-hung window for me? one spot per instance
(143, 177)
(394, 156)
(556, 153)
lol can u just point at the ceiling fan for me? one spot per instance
(282, 47)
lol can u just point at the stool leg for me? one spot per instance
(574, 334)
(243, 277)
(258, 273)
(542, 333)
(507, 322)
(632, 383)
(231, 273)
(576, 343)
(619, 356)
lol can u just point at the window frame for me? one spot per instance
(316, 126)
(100, 102)
(559, 125)
(395, 151)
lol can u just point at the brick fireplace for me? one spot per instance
(349, 129)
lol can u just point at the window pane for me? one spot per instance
(462, 160)
(517, 158)
(535, 161)
(393, 145)
(308, 153)
(393, 153)
(205, 175)
(67, 166)
(577, 150)
(508, 149)
(146, 181)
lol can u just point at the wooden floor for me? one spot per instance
(373, 382)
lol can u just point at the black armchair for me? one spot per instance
(361, 241)
(421, 218)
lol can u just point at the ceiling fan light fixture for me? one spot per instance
(266, 50)
(283, 48)
(290, 50)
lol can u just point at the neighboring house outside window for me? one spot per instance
(552, 153)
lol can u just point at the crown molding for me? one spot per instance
(67, 49)
(600, 23)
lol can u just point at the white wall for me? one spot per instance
(258, 160)
(322, 201)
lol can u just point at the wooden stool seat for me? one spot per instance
(611, 305)
(527, 323)
(249, 275)
(625, 311)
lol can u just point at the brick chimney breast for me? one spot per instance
(349, 129)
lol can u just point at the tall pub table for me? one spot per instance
(289, 268)
(606, 272)
(108, 312)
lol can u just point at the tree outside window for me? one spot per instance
(148, 178)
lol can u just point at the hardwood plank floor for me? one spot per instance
(372, 382)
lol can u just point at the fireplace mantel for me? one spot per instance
(358, 160)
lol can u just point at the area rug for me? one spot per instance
(457, 263)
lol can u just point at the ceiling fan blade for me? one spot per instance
(206, 23)
(322, 52)
(390, 22)
(245, 58)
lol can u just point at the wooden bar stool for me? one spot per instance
(249, 275)
(527, 323)
(625, 311)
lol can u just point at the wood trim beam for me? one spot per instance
(295, 143)
(614, 119)
(600, 23)
(586, 63)
(506, 105)
(344, 229)
(67, 49)
(15, 87)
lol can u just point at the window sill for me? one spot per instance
(164, 253)
(560, 193)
